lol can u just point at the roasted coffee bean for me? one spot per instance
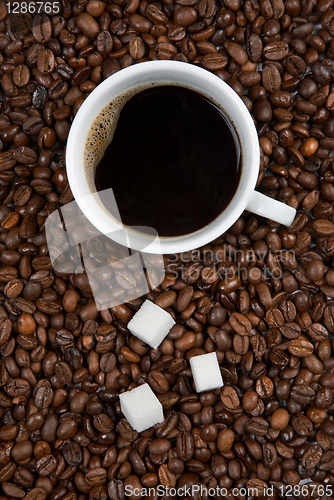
(317, 332)
(280, 419)
(229, 398)
(27, 156)
(104, 42)
(33, 125)
(323, 227)
(22, 451)
(257, 426)
(225, 440)
(43, 397)
(264, 387)
(46, 61)
(58, 89)
(236, 52)
(88, 25)
(21, 75)
(17, 387)
(262, 110)
(275, 51)
(271, 78)
(184, 16)
(166, 477)
(46, 465)
(5, 330)
(42, 29)
(301, 424)
(302, 394)
(72, 453)
(240, 323)
(300, 348)
(185, 445)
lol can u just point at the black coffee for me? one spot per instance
(173, 163)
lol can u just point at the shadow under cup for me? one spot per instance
(164, 159)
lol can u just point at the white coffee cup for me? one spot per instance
(133, 79)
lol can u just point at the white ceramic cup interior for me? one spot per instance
(203, 82)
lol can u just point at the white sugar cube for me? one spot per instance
(141, 408)
(206, 372)
(151, 324)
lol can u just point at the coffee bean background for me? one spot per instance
(63, 363)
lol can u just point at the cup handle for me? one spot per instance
(271, 209)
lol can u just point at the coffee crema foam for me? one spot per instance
(104, 125)
(102, 132)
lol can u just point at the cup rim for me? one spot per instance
(93, 208)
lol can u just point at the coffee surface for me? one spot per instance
(173, 163)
